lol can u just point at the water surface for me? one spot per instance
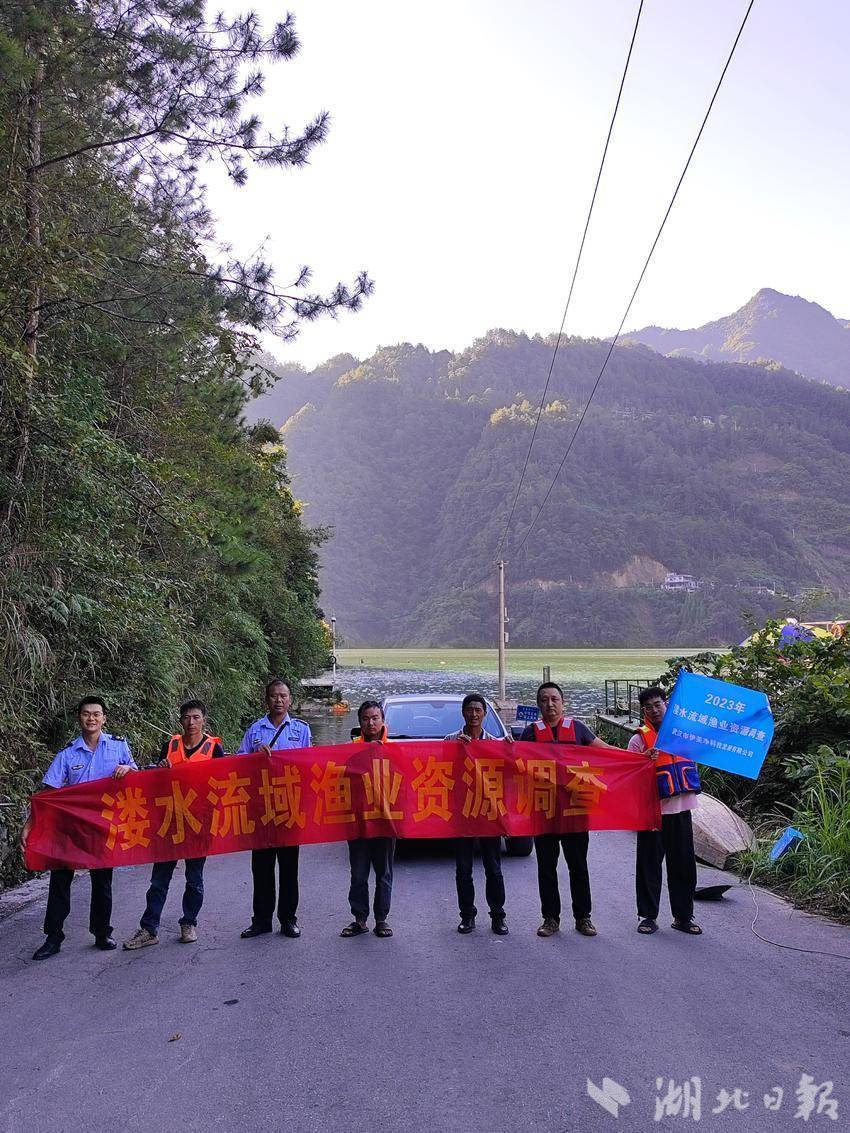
(367, 674)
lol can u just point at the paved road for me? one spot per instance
(427, 1031)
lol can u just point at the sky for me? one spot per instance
(465, 139)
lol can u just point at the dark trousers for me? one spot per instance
(263, 870)
(59, 902)
(193, 894)
(547, 848)
(675, 842)
(377, 854)
(491, 857)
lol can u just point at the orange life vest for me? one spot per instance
(177, 751)
(674, 774)
(382, 739)
(566, 734)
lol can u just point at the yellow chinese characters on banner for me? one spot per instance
(382, 786)
(485, 783)
(332, 786)
(585, 787)
(537, 786)
(127, 814)
(433, 784)
(230, 799)
(254, 801)
(177, 813)
(281, 795)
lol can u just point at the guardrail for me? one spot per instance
(621, 696)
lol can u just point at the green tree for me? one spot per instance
(150, 544)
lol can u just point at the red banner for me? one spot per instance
(428, 789)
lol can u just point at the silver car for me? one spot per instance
(432, 717)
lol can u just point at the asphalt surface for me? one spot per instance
(427, 1031)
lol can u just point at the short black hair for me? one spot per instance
(473, 698)
(191, 706)
(370, 704)
(274, 682)
(91, 700)
(548, 684)
(650, 693)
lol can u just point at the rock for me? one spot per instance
(719, 832)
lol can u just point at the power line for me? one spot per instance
(572, 282)
(640, 279)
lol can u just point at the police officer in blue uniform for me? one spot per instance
(94, 754)
(276, 731)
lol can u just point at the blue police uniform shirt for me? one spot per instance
(295, 733)
(77, 763)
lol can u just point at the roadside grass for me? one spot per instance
(815, 874)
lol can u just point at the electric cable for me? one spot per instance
(654, 245)
(572, 281)
(788, 947)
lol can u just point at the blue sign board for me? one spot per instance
(717, 724)
(529, 712)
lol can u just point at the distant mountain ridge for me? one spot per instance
(794, 332)
(734, 474)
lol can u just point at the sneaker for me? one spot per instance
(549, 927)
(143, 938)
(585, 926)
(188, 934)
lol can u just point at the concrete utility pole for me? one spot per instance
(503, 637)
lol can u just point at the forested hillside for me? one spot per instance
(735, 474)
(782, 328)
(150, 547)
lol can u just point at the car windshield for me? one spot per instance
(432, 719)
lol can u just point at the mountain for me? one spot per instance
(735, 474)
(783, 328)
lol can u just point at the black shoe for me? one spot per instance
(50, 947)
(290, 929)
(105, 943)
(467, 924)
(499, 926)
(253, 930)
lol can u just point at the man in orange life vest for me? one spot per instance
(555, 728)
(678, 784)
(375, 852)
(195, 745)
